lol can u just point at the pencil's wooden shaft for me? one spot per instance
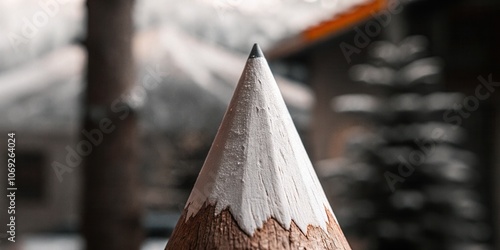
(209, 231)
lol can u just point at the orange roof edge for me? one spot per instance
(325, 29)
(357, 14)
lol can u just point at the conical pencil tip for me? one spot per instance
(256, 52)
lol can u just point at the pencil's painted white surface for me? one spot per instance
(257, 166)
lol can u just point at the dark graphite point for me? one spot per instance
(256, 52)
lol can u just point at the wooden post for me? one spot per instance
(111, 200)
(257, 188)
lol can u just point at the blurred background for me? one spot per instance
(115, 105)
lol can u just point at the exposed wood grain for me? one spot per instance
(209, 231)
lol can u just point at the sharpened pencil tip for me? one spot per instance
(256, 52)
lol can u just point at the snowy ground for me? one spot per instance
(70, 242)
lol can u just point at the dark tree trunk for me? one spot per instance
(111, 209)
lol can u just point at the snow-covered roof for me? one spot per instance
(182, 83)
(232, 24)
(205, 42)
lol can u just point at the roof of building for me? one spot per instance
(186, 84)
(334, 24)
